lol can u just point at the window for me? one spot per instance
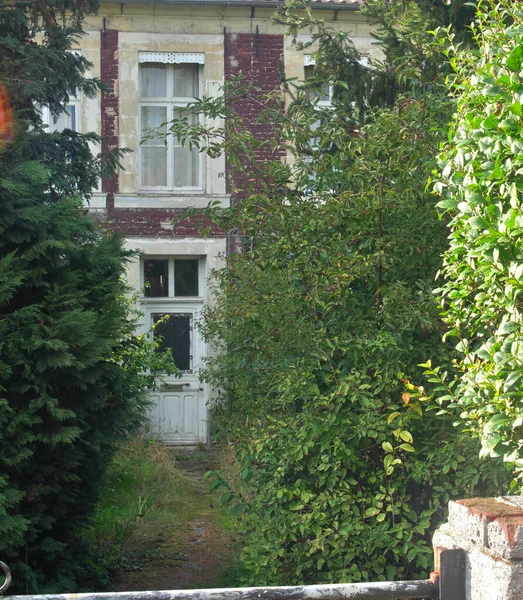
(324, 93)
(164, 163)
(175, 332)
(172, 278)
(69, 119)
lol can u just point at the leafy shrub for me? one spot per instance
(322, 320)
(72, 372)
(483, 267)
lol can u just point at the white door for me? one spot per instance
(174, 297)
(179, 413)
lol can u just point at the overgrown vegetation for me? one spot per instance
(323, 319)
(72, 381)
(146, 501)
(483, 266)
(141, 496)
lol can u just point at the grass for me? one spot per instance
(145, 500)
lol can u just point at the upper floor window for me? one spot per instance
(68, 119)
(324, 94)
(164, 163)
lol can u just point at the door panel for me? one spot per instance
(179, 413)
(176, 417)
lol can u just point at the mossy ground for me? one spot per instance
(157, 526)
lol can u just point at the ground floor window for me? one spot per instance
(172, 277)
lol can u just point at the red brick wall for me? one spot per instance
(154, 222)
(109, 103)
(257, 57)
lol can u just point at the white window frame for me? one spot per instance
(170, 103)
(50, 121)
(171, 299)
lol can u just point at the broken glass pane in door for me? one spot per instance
(174, 330)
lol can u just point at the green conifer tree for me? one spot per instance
(70, 382)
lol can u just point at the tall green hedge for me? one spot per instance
(70, 378)
(481, 182)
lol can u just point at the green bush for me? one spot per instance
(324, 322)
(321, 322)
(483, 267)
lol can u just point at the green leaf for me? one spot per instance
(478, 223)
(512, 379)
(406, 436)
(392, 416)
(387, 446)
(508, 327)
(448, 204)
(215, 484)
(407, 448)
(416, 408)
(515, 58)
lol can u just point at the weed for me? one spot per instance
(144, 503)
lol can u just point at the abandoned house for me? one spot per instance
(155, 55)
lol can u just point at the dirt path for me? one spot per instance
(191, 554)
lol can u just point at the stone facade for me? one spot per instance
(234, 39)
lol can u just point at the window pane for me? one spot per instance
(186, 277)
(153, 117)
(323, 93)
(185, 81)
(153, 81)
(66, 120)
(175, 333)
(186, 167)
(156, 278)
(154, 160)
(309, 71)
(154, 167)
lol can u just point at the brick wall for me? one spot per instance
(109, 104)
(155, 222)
(257, 57)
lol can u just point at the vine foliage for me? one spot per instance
(480, 180)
